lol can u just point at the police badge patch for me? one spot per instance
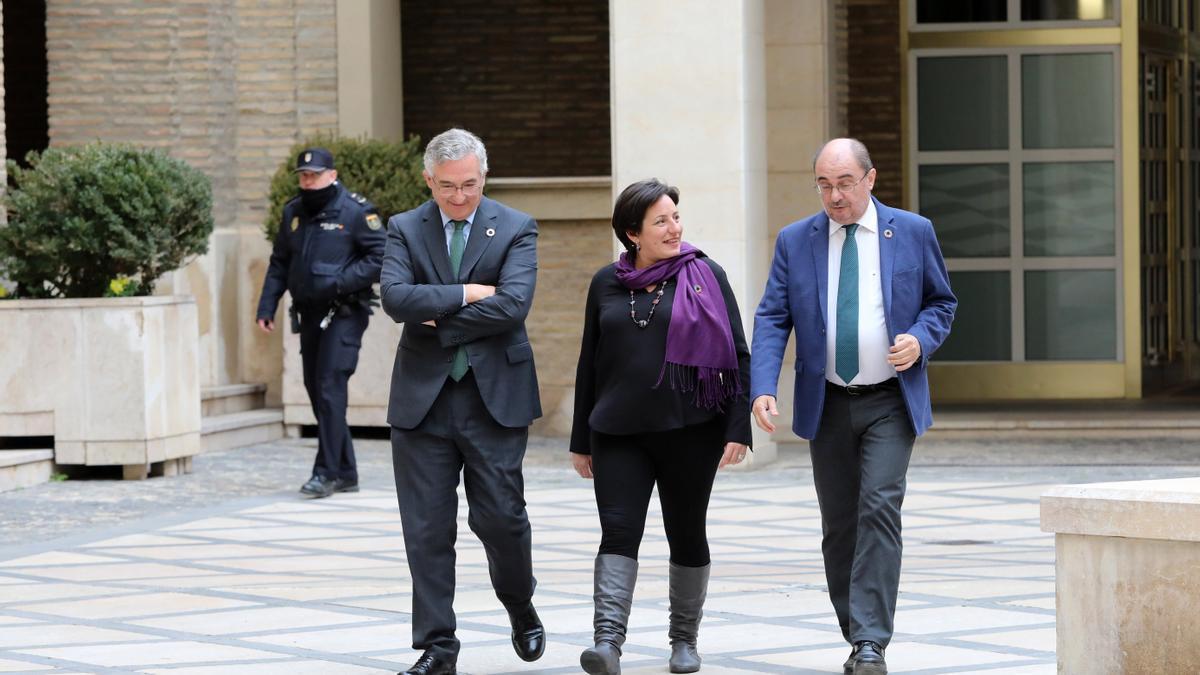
(295, 223)
(373, 221)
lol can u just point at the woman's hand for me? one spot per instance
(734, 454)
(583, 464)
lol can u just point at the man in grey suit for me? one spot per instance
(459, 273)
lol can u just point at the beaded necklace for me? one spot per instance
(642, 323)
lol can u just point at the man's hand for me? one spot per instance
(734, 454)
(477, 292)
(583, 464)
(764, 409)
(905, 352)
(266, 325)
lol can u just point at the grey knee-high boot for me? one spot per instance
(688, 589)
(613, 594)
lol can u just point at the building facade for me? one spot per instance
(1054, 144)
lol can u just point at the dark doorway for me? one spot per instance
(25, 78)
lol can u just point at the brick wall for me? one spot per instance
(218, 83)
(286, 88)
(569, 252)
(872, 98)
(530, 78)
(143, 72)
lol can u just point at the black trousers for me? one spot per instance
(459, 435)
(683, 462)
(329, 358)
(860, 461)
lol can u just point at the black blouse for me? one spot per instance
(620, 364)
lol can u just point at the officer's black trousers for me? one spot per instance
(330, 357)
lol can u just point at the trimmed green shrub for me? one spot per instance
(385, 172)
(84, 217)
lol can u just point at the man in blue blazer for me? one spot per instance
(459, 272)
(865, 288)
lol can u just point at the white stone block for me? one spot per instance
(1127, 575)
(118, 377)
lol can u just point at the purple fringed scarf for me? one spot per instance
(700, 353)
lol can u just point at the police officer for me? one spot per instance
(328, 253)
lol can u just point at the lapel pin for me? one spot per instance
(491, 232)
(887, 234)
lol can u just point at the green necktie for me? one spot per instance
(846, 354)
(458, 242)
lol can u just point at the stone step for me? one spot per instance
(224, 399)
(237, 429)
(24, 468)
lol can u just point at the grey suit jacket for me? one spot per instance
(417, 285)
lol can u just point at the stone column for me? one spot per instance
(370, 97)
(802, 67)
(689, 107)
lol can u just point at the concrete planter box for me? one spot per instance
(369, 386)
(1127, 572)
(114, 380)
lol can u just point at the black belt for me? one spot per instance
(860, 389)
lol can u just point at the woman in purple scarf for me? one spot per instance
(660, 398)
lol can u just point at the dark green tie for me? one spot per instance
(458, 242)
(846, 355)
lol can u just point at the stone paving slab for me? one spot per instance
(244, 576)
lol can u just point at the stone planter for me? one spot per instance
(1127, 572)
(115, 381)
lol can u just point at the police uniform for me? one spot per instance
(328, 261)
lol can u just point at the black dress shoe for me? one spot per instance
(868, 659)
(345, 485)
(429, 664)
(318, 486)
(528, 635)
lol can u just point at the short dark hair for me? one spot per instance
(632, 205)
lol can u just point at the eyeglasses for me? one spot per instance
(843, 186)
(469, 189)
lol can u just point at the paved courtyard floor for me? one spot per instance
(271, 583)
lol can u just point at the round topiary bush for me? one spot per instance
(386, 172)
(101, 219)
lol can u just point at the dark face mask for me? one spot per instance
(315, 200)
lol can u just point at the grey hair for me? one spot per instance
(454, 144)
(857, 148)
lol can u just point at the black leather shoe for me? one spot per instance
(318, 486)
(429, 664)
(848, 666)
(528, 635)
(345, 485)
(868, 659)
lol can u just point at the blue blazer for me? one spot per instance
(916, 300)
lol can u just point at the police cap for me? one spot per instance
(314, 159)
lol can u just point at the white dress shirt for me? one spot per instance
(873, 341)
(448, 226)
